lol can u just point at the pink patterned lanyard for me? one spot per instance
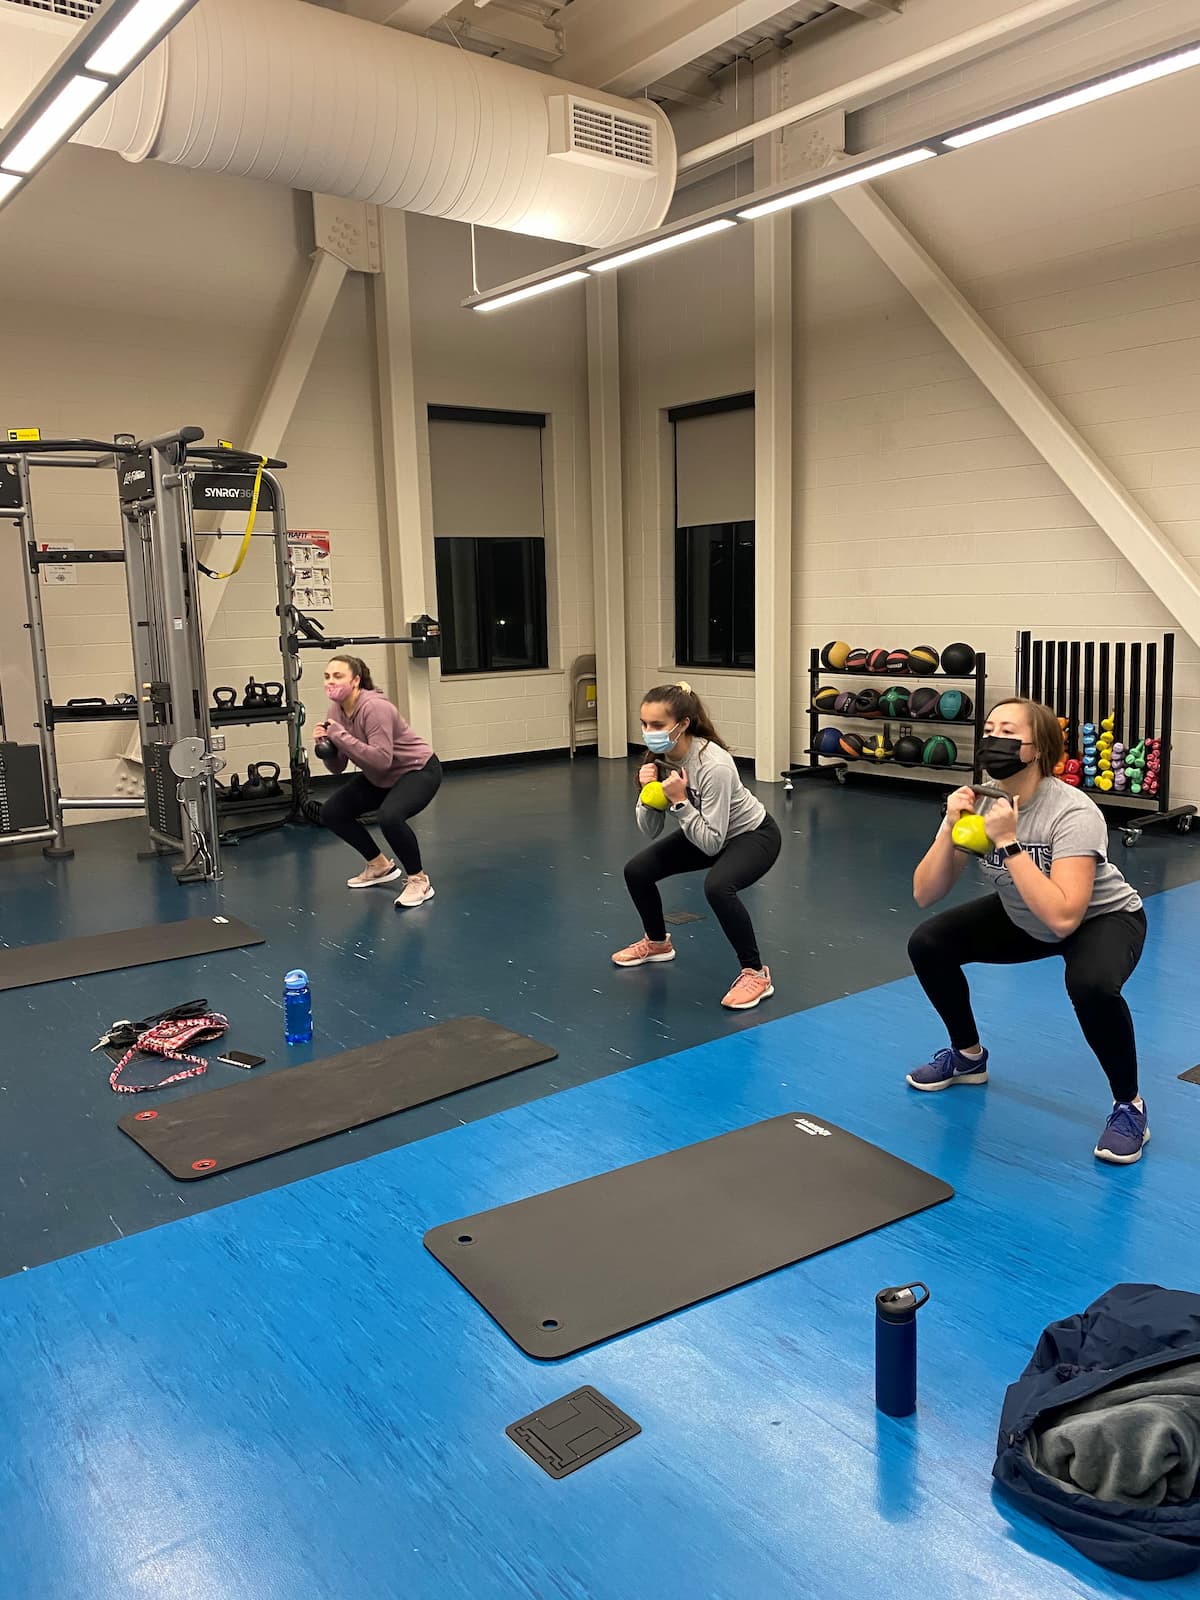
(167, 1039)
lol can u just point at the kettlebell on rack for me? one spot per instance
(272, 694)
(969, 833)
(224, 698)
(254, 695)
(267, 773)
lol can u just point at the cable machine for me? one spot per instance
(161, 484)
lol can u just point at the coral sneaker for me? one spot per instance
(370, 876)
(416, 892)
(749, 988)
(643, 952)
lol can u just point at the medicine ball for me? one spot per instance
(958, 660)
(877, 660)
(939, 751)
(825, 697)
(898, 661)
(893, 702)
(845, 702)
(834, 655)
(923, 703)
(856, 661)
(877, 748)
(851, 746)
(866, 704)
(955, 706)
(829, 742)
(908, 751)
(923, 660)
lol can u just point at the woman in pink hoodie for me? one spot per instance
(398, 777)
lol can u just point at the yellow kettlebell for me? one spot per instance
(969, 833)
(654, 796)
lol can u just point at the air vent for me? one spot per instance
(76, 10)
(596, 135)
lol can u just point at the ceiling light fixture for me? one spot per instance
(529, 292)
(843, 180)
(657, 246)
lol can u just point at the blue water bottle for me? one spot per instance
(297, 1008)
(896, 1348)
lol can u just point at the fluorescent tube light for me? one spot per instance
(657, 246)
(530, 291)
(55, 123)
(132, 34)
(1147, 73)
(844, 180)
(9, 184)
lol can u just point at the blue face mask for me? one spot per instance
(659, 740)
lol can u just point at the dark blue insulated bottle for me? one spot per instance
(896, 1348)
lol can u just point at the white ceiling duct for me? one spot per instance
(293, 94)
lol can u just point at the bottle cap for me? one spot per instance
(296, 979)
(900, 1303)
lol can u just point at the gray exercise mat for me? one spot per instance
(571, 1267)
(209, 1133)
(24, 965)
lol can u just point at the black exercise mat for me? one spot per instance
(224, 1128)
(568, 1268)
(130, 947)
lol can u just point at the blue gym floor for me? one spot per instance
(283, 1394)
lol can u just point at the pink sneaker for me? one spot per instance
(415, 893)
(748, 989)
(643, 952)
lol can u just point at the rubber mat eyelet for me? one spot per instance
(465, 1238)
(145, 1116)
(203, 1166)
(550, 1323)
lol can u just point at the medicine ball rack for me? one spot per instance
(161, 483)
(820, 766)
(1086, 680)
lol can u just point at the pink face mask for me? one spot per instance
(338, 692)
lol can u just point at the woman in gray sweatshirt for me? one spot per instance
(724, 830)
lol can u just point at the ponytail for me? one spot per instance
(682, 701)
(358, 669)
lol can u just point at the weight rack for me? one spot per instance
(1086, 680)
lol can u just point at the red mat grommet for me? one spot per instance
(203, 1166)
(145, 1116)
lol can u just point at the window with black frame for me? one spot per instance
(489, 539)
(714, 533)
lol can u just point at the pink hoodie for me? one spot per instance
(376, 738)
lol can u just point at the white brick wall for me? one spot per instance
(687, 334)
(527, 359)
(921, 510)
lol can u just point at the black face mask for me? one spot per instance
(1001, 757)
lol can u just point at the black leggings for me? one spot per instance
(740, 863)
(1100, 956)
(410, 794)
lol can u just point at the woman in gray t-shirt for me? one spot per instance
(1055, 893)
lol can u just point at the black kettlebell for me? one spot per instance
(272, 694)
(254, 695)
(324, 749)
(268, 774)
(224, 698)
(253, 788)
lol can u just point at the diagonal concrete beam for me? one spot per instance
(1135, 534)
(623, 45)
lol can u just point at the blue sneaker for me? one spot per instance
(947, 1068)
(1125, 1135)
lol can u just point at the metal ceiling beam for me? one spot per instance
(625, 45)
(877, 9)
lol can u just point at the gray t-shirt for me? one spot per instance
(1058, 822)
(718, 807)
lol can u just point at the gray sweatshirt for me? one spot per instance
(718, 808)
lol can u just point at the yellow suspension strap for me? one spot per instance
(246, 537)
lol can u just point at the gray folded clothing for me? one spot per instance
(1137, 1442)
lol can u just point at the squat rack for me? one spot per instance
(160, 483)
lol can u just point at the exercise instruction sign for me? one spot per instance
(309, 552)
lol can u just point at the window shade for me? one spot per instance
(714, 469)
(487, 480)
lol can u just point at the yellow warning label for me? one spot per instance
(24, 435)
(224, 444)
